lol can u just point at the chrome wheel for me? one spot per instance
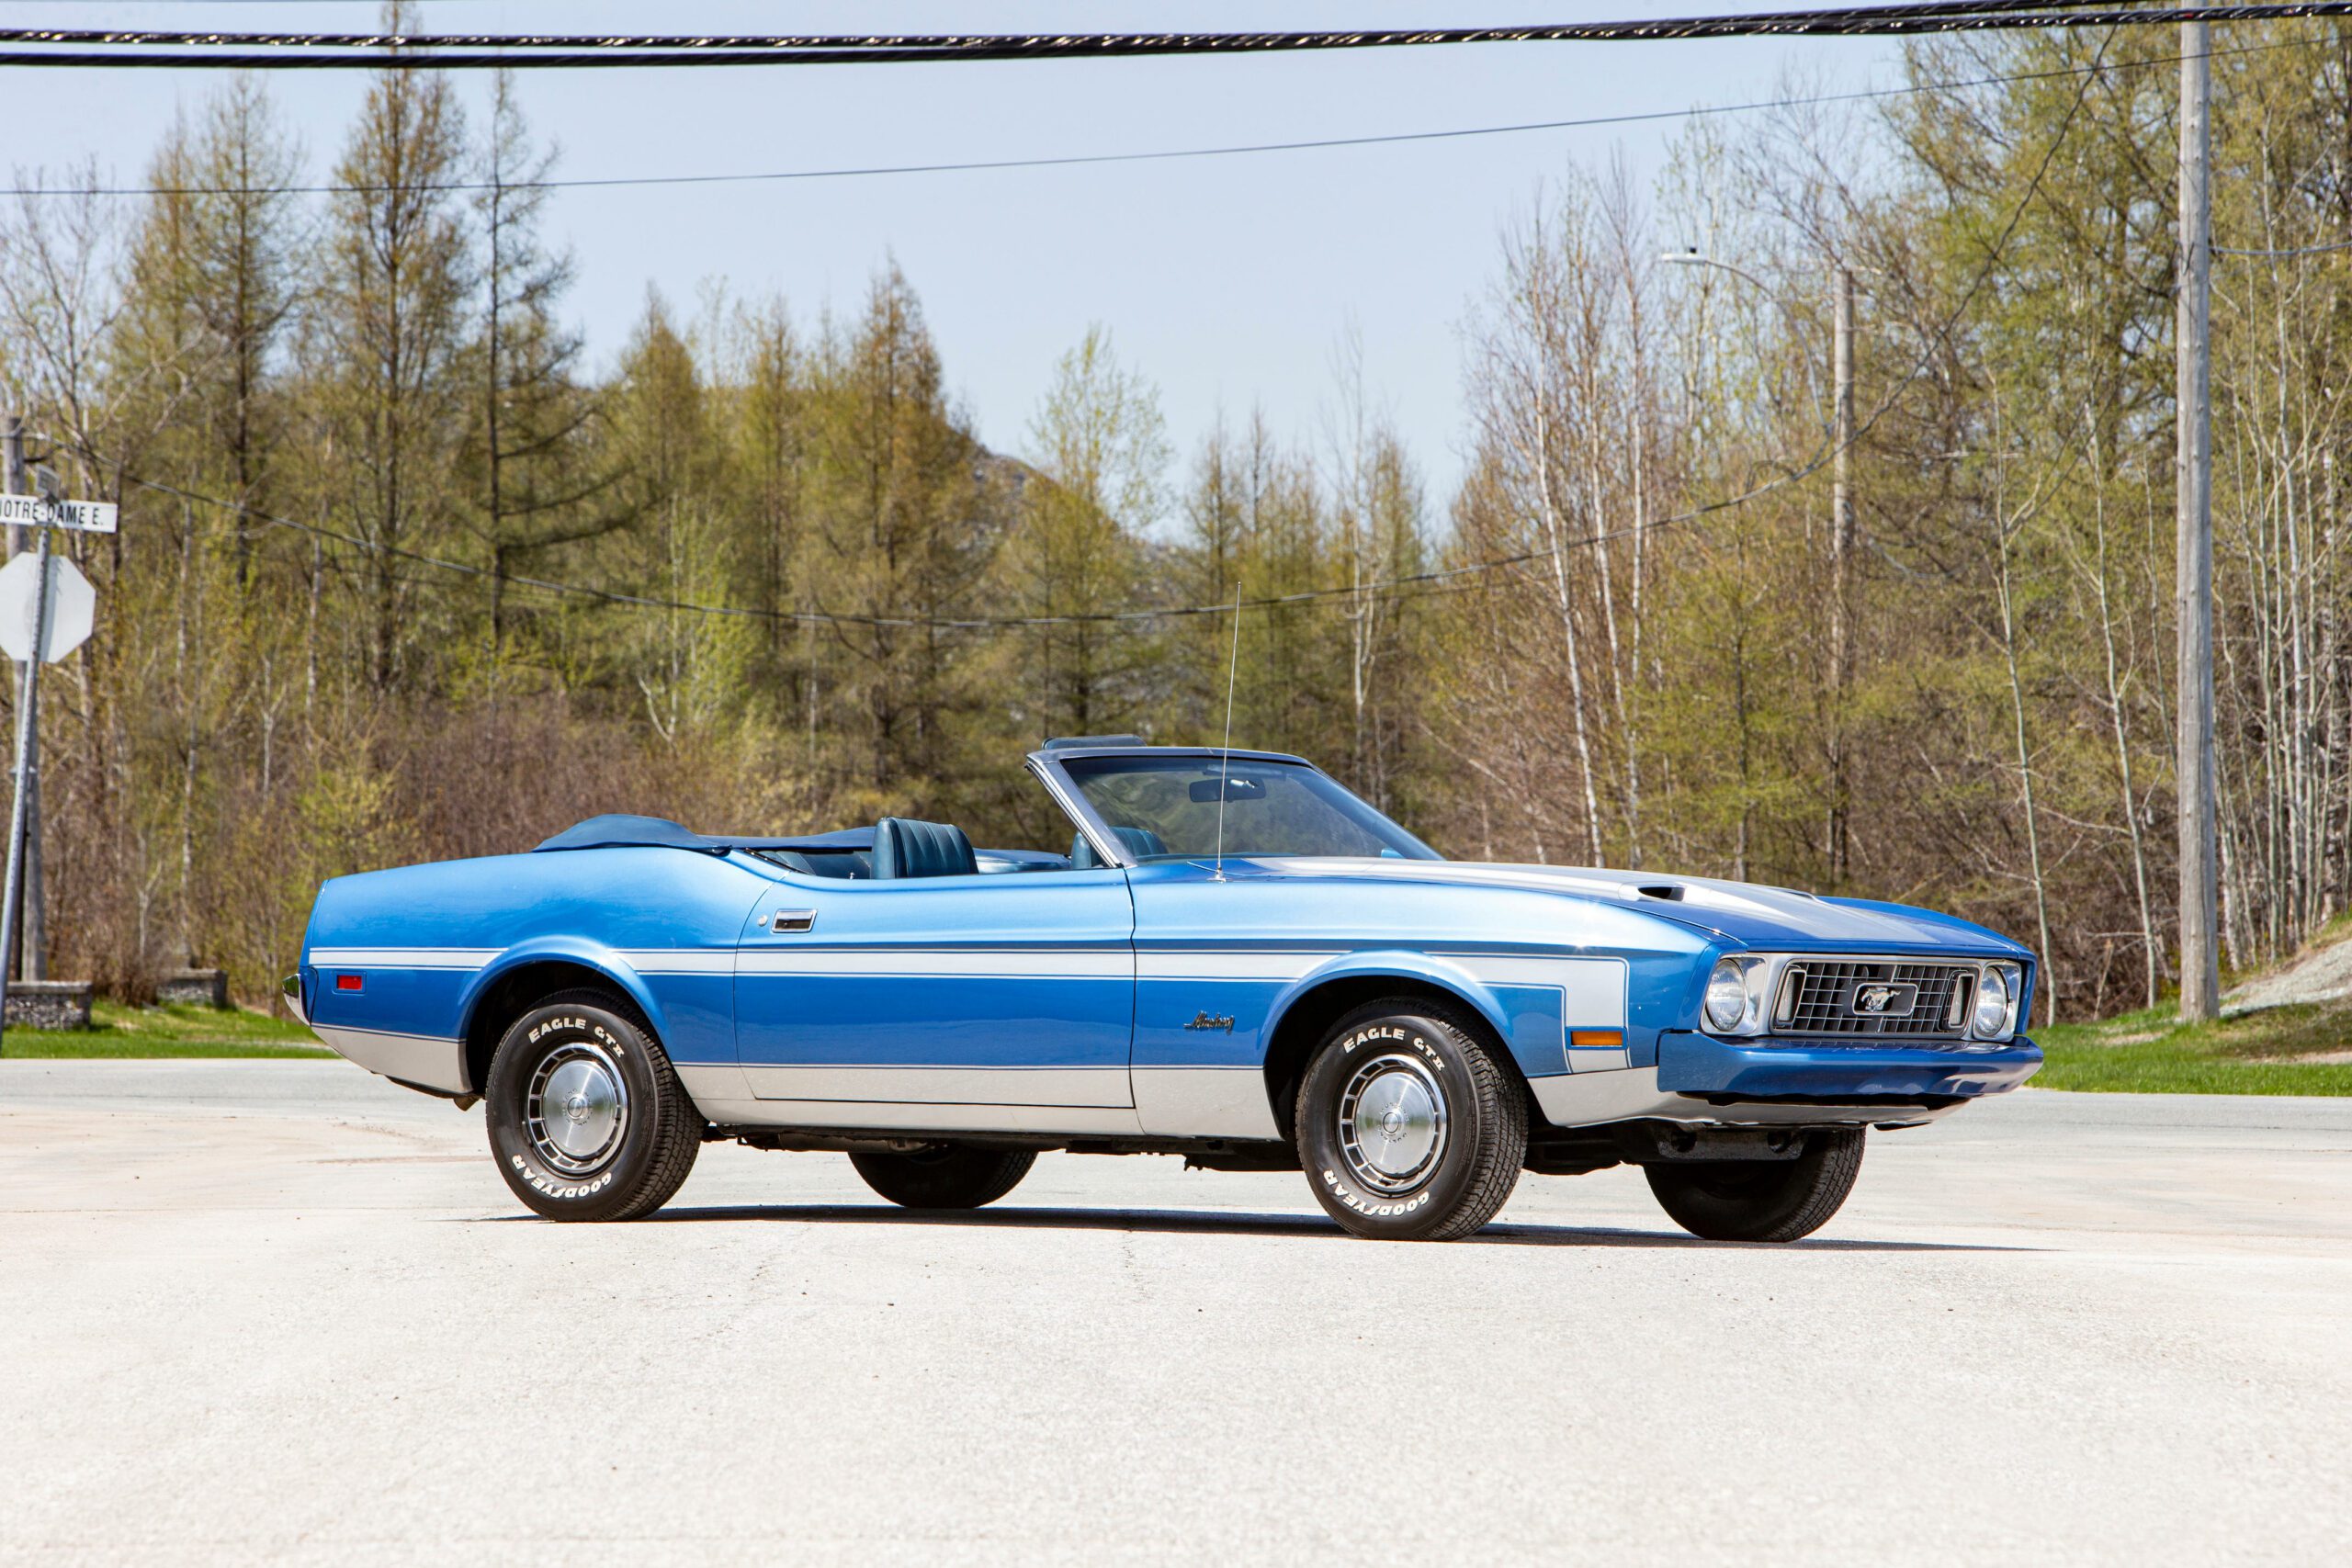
(1392, 1123)
(576, 1109)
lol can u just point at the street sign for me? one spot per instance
(32, 512)
(73, 607)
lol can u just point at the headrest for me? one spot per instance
(906, 848)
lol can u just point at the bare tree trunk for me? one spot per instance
(2148, 950)
(2025, 777)
(1557, 539)
(191, 704)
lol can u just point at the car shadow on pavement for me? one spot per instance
(1228, 1222)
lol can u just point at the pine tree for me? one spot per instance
(538, 482)
(387, 345)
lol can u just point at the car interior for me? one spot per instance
(899, 848)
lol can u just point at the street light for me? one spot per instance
(1841, 522)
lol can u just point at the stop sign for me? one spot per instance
(73, 606)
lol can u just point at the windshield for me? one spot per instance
(1166, 808)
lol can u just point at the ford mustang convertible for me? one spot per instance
(1237, 961)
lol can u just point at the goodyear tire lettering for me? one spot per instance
(1344, 1193)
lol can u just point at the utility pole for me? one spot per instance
(1841, 552)
(28, 726)
(30, 954)
(12, 473)
(2200, 963)
(13, 479)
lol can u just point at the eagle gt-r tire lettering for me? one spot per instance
(586, 1118)
(1408, 1125)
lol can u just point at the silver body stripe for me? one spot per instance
(679, 960)
(1238, 964)
(1204, 1102)
(1592, 990)
(1010, 963)
(903, 1116)
(413, 1058)
(1196, 1101)
(645, 960)
(401, 957)
(942, 1086)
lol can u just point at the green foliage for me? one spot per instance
(1631, 636)
(2152, 1052)
(177, 1030)
(1076, 551)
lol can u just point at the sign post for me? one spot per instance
(45, 613)
(27, 770)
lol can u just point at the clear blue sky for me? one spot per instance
(1225, 280)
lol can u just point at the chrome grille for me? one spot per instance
(1818, 997)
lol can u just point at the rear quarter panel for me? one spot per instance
(426, 942)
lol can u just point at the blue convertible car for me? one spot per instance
(1237, 961)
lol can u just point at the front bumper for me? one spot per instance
(1824, 1070)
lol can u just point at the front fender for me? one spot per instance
(1393, 962)
(1529, 1000)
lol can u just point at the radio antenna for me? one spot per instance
(1224, 754)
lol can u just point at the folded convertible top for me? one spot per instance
(619, 831)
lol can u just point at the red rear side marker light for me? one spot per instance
(346, 981)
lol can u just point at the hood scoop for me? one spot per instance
(1671, 892)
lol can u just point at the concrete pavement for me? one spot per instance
(283, 1312)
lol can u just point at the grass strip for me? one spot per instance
(2152, 1052)
(180, 1030)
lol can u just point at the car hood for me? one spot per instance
(1743, 913)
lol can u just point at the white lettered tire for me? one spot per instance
(1410, 1126)
(586, 1118)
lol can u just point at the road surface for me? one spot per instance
(283, 1312)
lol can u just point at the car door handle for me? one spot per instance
(793, 921)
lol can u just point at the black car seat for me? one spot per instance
(1140, 842)
(906, 848)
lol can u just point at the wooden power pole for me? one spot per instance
(27, 793)
(2200, 964)
(1842, 565)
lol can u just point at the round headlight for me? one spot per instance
(1992, 1003)
(1727, 995)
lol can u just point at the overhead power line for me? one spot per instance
(1439, 581)
(2294, 251)
(298, 52)
(1236, 42)
(867, 171)
(1442, 579)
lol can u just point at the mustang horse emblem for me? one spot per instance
(1881, 1002)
